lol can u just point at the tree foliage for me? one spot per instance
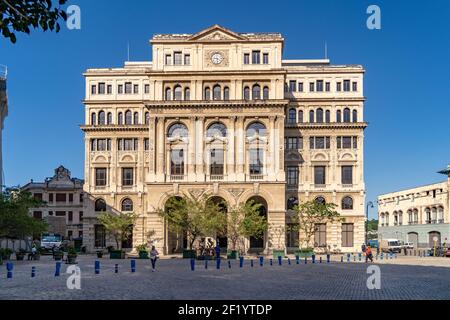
(311, 213)
(21, 15)
(118, 225)
(15, 220)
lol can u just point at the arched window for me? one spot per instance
(93, 119)
(177, 93)
(311, 116)
(346, 115)
(136, 118)
(120, 118)
(207, 94)
(319, 115)
(347, 203)
(127, 205)
(256, 92)
(226, 93)
(434, 214)
(292, 202)
(327, 116)
(178, 130)
(256, 128)
(187, 94)
(168, 94)
(300, 116)
(100, 205)
(355, 115)
(428, 215)
(338, 116)
(246, 93)
(320, 200)
(216, 129)
(110, 118)
(292, 116)
(128, 117)
(266, 93)
(102, 118)
(410, 217)
(416, 216)
(440, 215)
(400, 218)
(147, 118)
(217, 92)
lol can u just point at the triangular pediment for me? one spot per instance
(216, 33)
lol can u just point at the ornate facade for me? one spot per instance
(417, 215)
(222, 113)
(3, 114)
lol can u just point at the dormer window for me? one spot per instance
(177, 58)
(128, 87)
(246, 58)
(187, 59)
(265, 58)
(168, 60)
(256, 57)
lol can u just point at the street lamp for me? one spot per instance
(369, 204)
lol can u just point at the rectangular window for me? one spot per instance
(93, 89)
(101, 145)
(217, 159)
(147, 89)
(136, 89)
(319, 85)
(347, 235)
(320, 235)
(70, 197)
(347, 174)
(146, 144)
(187, 59)
(311, 86)
(265, 58)
(61, 197)
(50, 197)
(300, 87)
(177, 162)
(37, 215)
(355, 86)
(109, 89)
(292, 143)
(256, 161)
(256, 57)
(128, 87)
(168, 60)
(126, 144)
(177, 58)
(60, 213)
(101, 88)
(246, 58)
(327, 86)
(292, 235)
(292, 86)
(127, 177)
(292, 176)
(81, 216)
(120, 89)
(69, 234)
(347, 142)
(37, 196)
(319, 175)
(81, 198)
(339, 86)
(346, 85)
(99, 236)
(70, 216)
(319, 142)
(100, 177)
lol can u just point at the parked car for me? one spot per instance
(373, 243)
(408, 245)
(391, 245)
(447, 252)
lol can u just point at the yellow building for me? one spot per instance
(222, 113)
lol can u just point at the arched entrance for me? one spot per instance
(258, 243)
(175, 241)
(413, 237)
(431, 236)
(223, 207)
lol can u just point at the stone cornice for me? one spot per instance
(217, 104)
(327, 126)
(327, 99)
(147, 71)
(89, 128)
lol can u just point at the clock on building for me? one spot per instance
(216, 58)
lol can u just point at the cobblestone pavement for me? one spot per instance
(175, 280)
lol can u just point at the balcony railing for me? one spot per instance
(413, 222)
(216, 177)
(255, 177)
(176, 177)
(347, 185)
(441, 221)
(320, 185)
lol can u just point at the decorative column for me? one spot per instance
(271, 167)
(279, 149)
(151, 149)
(191, 150)
(160, 146)
(199, 143)
(240, 149)
(231, 155)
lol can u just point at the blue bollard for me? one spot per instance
(261, 261)
(313, 258)
(133, 266)
(9, 268)
(320, 259)
(97, 267)
(289, 261)
(348, 257)
(241, 262)
(33, 272)
(280, 261)
(354, 258)
(116, 268)
(342, 258)
(229, 264)
(381, 256)
(206, 263)
(360, 257)
(328, 258)
(271, 262)
(297, 259)
(58, 269)
(306, 260)
(251, 263)
(192, 264)
(218, 263)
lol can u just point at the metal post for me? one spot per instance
(241, 262)
(33, 272)
(297, 259)
(133, 265)
(279, 261)
(261, 261)
(369, 204)
(58, 269)
(9, 268)
(97, 267)
(229, 264)
(218, 263)
(116, 268)
(192, 264)
(313, 258)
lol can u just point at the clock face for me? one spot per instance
(216, 58)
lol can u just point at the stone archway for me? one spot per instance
(223, 206)
(175, 242)
(259, 244)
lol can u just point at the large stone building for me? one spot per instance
(3, 114)
(417, 215)
(222, 113)
(63, 198)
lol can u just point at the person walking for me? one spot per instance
(153, 257)
(217, 249)
(369, 255)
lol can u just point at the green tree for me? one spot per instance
(194, 216)
(311, 213)
(118, 225)
(15, 219)
(21, 15)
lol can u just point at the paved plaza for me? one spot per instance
(175, 280)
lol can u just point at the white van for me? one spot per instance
(390, 245)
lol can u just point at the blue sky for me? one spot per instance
(406, 84)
